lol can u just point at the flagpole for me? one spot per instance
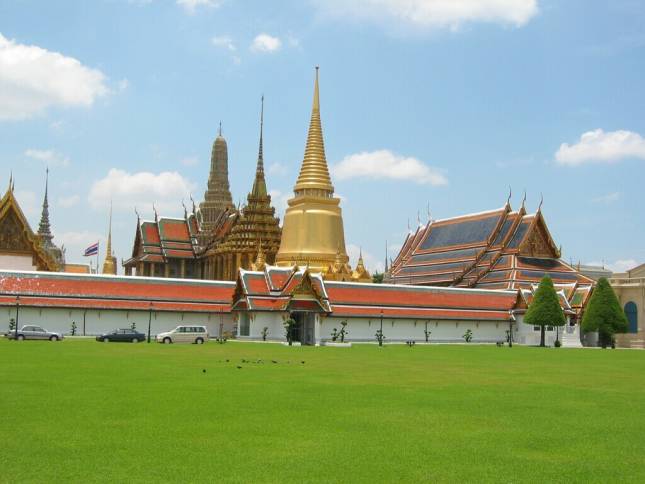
(97, 257)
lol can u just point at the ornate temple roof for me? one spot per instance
(256, 224)
(165, 238)
(497, 249)
(16, 236)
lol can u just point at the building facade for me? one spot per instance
(630, 290)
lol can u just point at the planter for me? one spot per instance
(335, 344)
(591, 338)
(295, 343)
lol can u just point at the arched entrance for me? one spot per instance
(631, 311)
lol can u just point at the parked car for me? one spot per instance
(122, 335)
(184, 334)
(31, 331)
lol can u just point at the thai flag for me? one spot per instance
(92, 250)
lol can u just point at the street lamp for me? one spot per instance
(221, 322)
(149, 320)
(17, 316)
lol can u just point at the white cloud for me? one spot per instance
(123, 84)
(602, 147)
(385, 164)
(28, 204)
(279, 201)
(189, 161)
(67, 202)
(191, 6)
(277, 169)
(266, 43)
(224, 41)
(621, 265)
(142, 189)
(431, 14)
(33, 79)
(49, 157)
(372, 264)
(607, 199)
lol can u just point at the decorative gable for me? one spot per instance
(538, 242)
(16, 234)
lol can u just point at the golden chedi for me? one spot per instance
(312, 232)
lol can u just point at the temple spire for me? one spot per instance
(259, 185)
(314, 173)
(109, 265)
(44, 228)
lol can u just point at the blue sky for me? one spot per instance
(424, 103)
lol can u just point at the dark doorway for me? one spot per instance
(304, 330)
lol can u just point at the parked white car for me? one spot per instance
(184, 334)
(34, 332)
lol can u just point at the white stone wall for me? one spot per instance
(17, 262)
(395, 330)
(259, 320)
(526, 335)
(93, 322)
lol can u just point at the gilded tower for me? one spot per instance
(312, 233)
(255, 233)
(109, 265)
(217, 197)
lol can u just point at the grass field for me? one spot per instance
(78, 411)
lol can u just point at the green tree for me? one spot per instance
(545, 308)
(12, 325)
(604, 314)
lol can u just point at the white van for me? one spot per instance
(184, 334)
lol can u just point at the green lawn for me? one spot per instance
(82, 411)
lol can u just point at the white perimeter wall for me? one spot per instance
(364, 329)
(97, 322)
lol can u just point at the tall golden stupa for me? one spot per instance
(312, 233)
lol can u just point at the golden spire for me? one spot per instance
(109, 265)
(260, 261)
(314, 174)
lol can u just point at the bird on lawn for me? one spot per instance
(239, 367)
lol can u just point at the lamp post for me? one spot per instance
(17, 316)
(149, 320)
(510, 332)
(221, 322)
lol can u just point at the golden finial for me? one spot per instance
(314, 173)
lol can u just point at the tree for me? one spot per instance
(604, 314)
(12, 325)
(545, 308)
(343, 331)
(377, 278)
